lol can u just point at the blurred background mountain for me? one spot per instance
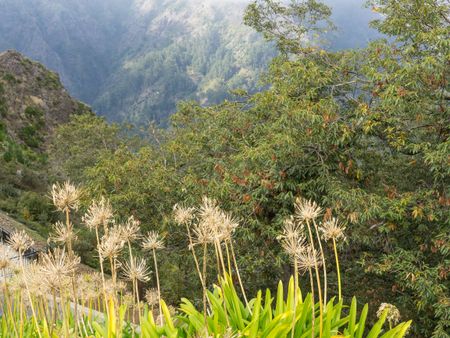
(132, 60)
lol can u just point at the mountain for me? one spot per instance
(132, 60)
(32, 103)
(75, 38)
(178, 50)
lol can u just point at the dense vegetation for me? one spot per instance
(364, 132)
(61, 302)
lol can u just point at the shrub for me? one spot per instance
(33, 112)
(30, 136)
(10, 78)
(34, 206)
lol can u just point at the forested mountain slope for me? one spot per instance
(132, 60)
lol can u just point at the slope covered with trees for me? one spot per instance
(363, 132)
(132, 60)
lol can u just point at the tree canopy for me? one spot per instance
(363, 132)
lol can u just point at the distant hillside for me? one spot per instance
(32, 103)
(132, 60)
(178, 50)
(32, 100)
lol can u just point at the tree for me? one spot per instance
(78, 144)
(290, 26)
(363, 132)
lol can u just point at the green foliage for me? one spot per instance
(365, 132)
(50, 80)
(30, 135)
(204, 67)
(3, 107)
(33, 112)
(288, 25)
(10, 78)
(34, 208)
(81, 142)
(2, 131)
(265, 317)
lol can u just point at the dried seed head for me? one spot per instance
(151, 296)
(205, 334)
(112, 243)
(99, 214)
(63, 233)
(113, 289)
(228, 226)
(230, 334)
(136, 269)
(203, 234)
(153, 241)
(293, 242)
(172, 312)
(308, 259)
(183, 215)
(306, 210)
(35, 279)
(17, 282)
(121, 286)
(393, 314)
(131, 229)
(58, 264)
(214, 222)
(110, 288)
(210, 217)
(66, 196)
(20, 241)
(332, 229)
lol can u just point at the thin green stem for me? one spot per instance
(337, 269)
(191, 248)
(29, 295)
(228, 259)
(313, 315)
(205, 253)
(295, 295)
(158, 286)
(316, 268)
(324, 267)
(239, 275)
(102, 273)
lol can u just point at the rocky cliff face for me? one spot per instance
(32, 101)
